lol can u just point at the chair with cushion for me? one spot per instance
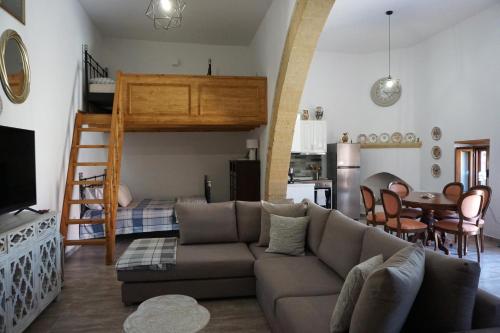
(372, 217)
(469, 211)
(486, 203)
(395, 222)
(403, 190)
(454, 189)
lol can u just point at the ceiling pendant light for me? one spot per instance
(166, 14)
(386, 91)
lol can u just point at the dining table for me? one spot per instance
(429, 202)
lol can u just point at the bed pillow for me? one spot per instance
(124, 196)
(93, 193)
(288, 210)
(207, 223)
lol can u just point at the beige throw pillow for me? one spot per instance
(288, 210)
(124, 196)
(353, 284)
(288, 235)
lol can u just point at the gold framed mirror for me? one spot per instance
(14, 67)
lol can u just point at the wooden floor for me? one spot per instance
(90, 300)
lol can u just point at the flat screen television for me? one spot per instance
(17, 169)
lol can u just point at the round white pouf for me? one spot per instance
(167, 314)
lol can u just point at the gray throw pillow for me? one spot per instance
(353, 284)
(288, 210)
(288, 235)
(389, 292)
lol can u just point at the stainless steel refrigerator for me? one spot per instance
(343, 168)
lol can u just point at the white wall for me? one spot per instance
(53, 34)
(169, 165)
(267, 49)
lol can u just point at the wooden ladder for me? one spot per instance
(96, 123)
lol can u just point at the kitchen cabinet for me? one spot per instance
(309, 137)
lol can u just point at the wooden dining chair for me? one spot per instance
(469, 212)
(403, 190)
(403, 226)
(455, 189)
(486, 192)
(372, 217)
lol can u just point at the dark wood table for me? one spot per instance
(439, 201)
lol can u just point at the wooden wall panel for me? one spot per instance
(307, 23)
(162, 99)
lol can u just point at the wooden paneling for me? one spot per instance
(193, 103)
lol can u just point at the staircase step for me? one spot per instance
(86, 221)
(92, 146)
(85, 242)
(95, 119)
(91, 164)
(87, 182)
(94, 129)
(86, 202)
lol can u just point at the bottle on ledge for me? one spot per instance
(209, 67)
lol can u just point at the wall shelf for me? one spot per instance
(391, 145)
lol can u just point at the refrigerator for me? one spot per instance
(343, 168)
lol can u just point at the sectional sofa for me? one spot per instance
(218, 257)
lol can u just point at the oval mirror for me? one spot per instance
(14, 67)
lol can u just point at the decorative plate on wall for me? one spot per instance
(396, 137)
(436, 133)
(436, 152)
(410, 137)
(362, 138)
(372, 138)
(384, 138)
(435, 170)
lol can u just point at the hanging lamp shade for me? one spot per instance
(166, 14)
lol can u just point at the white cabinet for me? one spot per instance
(299, 192)
(309, 137)
(30, 268)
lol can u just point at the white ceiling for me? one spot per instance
(360, 26)
(218, 22)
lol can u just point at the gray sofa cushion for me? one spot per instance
(305, 314)
(201, 261)
(340, 246)
(207, 223)
(376, 241)
(290, 210)
(259, 252)
(248, 220)
(318, 217)
(295, 276)
(288, 235)
(389, 292)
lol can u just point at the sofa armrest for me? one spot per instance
(486, 310)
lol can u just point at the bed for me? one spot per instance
(98, 86)
(146, 215)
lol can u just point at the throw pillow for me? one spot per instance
(124, 196)
(288, 235)
(389, 292)
(353, 284)
(288, 210)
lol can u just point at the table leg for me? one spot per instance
(428, 218)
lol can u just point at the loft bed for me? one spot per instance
(99, 88)
(146, 215)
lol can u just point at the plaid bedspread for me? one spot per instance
(150, 254)
(143, 216)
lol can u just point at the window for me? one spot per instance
(472, 162)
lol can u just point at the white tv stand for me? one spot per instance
(30, 267)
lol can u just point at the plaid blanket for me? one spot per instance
(143, 216)
(149, 254)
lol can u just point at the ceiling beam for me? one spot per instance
(306, 25)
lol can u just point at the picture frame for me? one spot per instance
(16, 8)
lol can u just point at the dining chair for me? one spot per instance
(469, 211)
(391, 201)
(454, 189)
(403, 190)
(486, 192)
(372, 217)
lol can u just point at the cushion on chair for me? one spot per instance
(318, 216)
(207, 223)
(452, 225)
(379, 217)
(389, 292)
(248, 220)
(305, 314)
(445, 214)
(340, 246)
(406, 224)
(289, 210)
